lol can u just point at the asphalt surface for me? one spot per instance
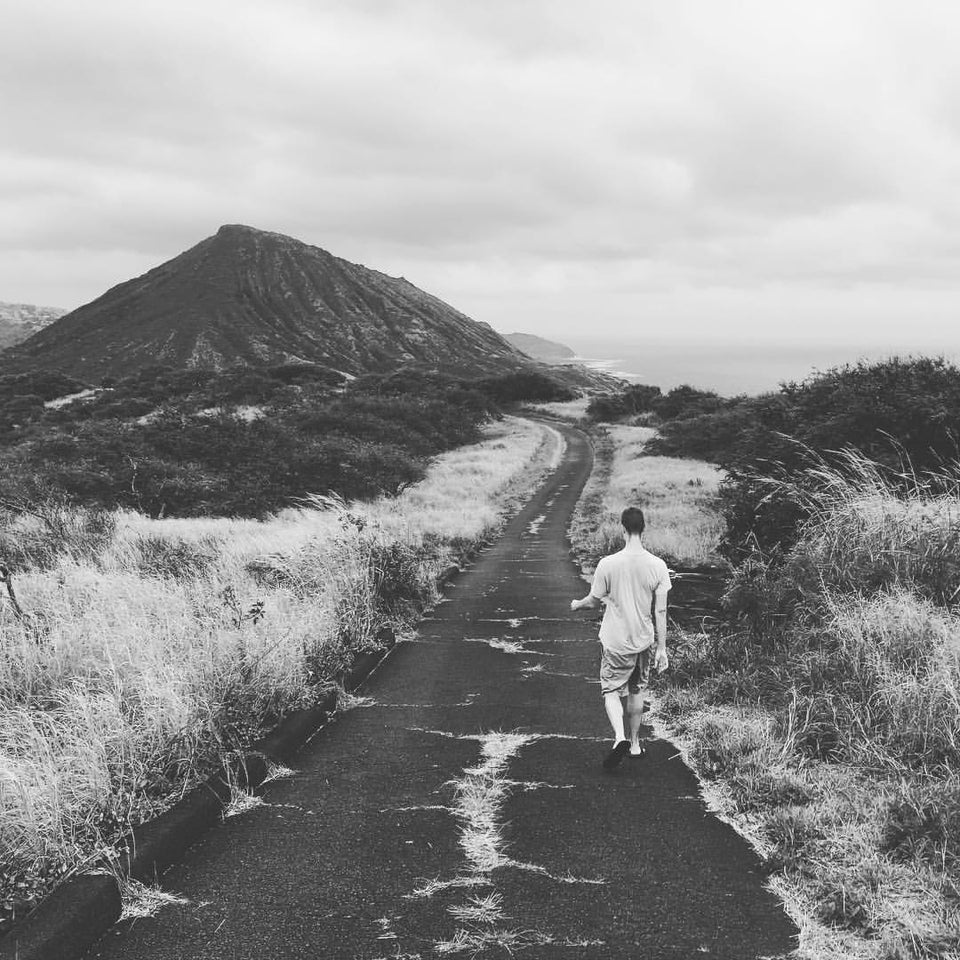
(462, 809)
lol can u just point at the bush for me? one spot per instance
(46, 385)
(858, 618)
(687, 401)
(191, 456)
(158, 556)
(636, 399)
(923, 823)
(525, 385)
(900, 414)
(705, 436)
(37, 533)
(17, 411)
(401, 583)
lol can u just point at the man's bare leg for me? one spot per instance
(635, 712)
(614, 707)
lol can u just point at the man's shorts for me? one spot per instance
(624, 673)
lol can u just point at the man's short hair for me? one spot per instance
(633, 520)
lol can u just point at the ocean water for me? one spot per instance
(729, 369)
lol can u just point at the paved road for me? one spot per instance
(463, 810)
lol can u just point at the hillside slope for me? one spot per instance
(248, 296)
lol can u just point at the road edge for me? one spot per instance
(77, 913)
(65, 924)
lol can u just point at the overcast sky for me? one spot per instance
(738, 170)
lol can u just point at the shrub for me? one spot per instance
(402, 583)
(899, 413)
(158, 556)
(923, 823)
(47, 385)
(191, 457)
(687, 401)
(635, 399)
(524, 385)
(36, 534)
(717, 436)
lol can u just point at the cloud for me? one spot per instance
(532, 162)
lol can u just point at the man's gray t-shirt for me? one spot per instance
(628, 581)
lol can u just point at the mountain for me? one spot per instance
(21, 320)
(546, 351)
(249, 296)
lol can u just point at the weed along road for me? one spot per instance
(460, 807)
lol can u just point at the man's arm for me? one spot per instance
(589, 602)
(598, 590)
(660, 628)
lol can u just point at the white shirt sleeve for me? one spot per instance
(600, 588)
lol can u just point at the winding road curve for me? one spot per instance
(461, 810)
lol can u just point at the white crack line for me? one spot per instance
(506, 646)
(432, 887)
(557, 673)
(474, 941)
(478, 801)
(526, 785)
(509, 646)
(386, 925)
(530, 737)
(367, 702)
(533, 527)
(350, 701)
(479, 796)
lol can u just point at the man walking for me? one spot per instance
(633, 585)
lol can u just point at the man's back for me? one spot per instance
(628, 581)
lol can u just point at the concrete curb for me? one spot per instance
(77, 913)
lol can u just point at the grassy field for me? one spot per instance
(571, 410)
(150, 648)
(824, 718)
(677, 497)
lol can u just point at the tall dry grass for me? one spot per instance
(677, 496)
(573, 411)
(155, 647)
(867, 531)
(830, 730)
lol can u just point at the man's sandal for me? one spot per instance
(613, 758)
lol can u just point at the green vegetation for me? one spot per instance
(827, 710)
(678, 497)
(242, 442)
(148, 650)
(823, 712)
(572, 411)
(901, 414)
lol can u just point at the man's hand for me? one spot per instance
(660, 660)
(574, 604)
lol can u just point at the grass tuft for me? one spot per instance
(140, 900)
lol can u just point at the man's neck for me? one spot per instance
(634, 543)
